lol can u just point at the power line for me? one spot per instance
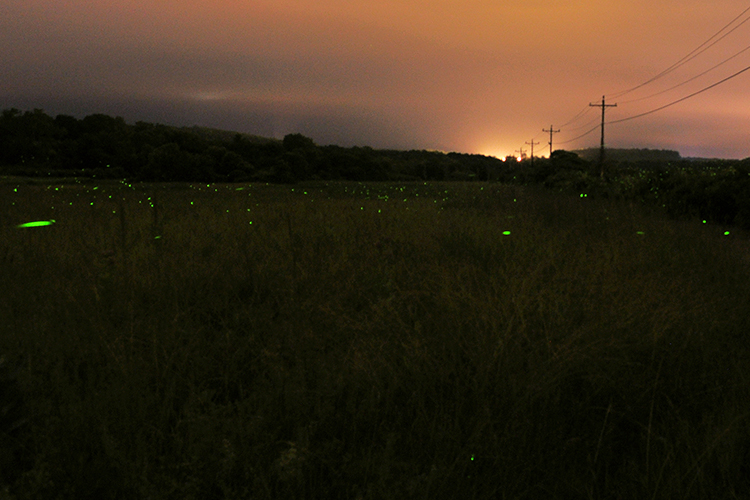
(659, 108)
(537, 135)
(692, 55)
(583, 112)
(580, 136)
(689, 80)
(682, 99)
(587, 124)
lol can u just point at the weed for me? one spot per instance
(347, 340)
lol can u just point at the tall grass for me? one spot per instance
(371, 341)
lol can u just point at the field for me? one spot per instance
(367, 341)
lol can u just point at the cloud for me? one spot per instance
(437, 74)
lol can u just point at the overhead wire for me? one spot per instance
(538, 152)
(537, 136)
(581, 114)
(586, 110)
(579, 137)
(587, 124)
(692, 55)
(682, 99)
(575, 118)
(690, 79)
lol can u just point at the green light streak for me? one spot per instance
(37, 223)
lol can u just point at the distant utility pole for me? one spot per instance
(604, 106)
(551, 131)
(521, 153)
(532, 151)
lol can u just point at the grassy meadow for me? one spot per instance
(368, 341)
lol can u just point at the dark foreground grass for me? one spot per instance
(368, 342)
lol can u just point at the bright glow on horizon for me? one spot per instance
(450, 76)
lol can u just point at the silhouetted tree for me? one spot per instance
(294, 142)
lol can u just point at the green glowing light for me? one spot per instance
(584, 195)
(726, 233)
(704, 221)
(506, 233)
(640, 232)
(37, 223)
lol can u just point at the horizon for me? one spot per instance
(524, 152)
(469, 77)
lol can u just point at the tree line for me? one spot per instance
(105, 147)
(99, 146)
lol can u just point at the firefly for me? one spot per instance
(37, 223)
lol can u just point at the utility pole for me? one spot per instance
(604, 106)
(532, 151)
(521, 153)
(551, 131)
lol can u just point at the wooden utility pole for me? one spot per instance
(604, 106)
(521, 153)
(551, 131)
(532, 151)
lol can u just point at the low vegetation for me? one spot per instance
(366, 341)
(101, 147)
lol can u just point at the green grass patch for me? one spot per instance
(366, 341)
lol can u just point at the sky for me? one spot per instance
(473, 76)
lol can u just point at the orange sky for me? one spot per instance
(475, 76)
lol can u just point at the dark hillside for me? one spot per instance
(629, 155)
(99, 146)
(218, 135)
